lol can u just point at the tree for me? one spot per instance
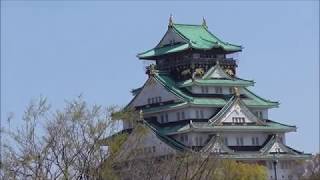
(312, 168)
(75, 143)
(57, 144)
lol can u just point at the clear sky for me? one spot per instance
(62, 49)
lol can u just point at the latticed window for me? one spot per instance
(204, 89)
(182, 115)
(231, 91)
(197, 114)
(240, 141)
(167, 117)
(162, 118)
(255, 141)
(201, 114)
(218, 90)
(226, 141)
(238, 120)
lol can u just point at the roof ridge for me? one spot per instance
(174, 142)
(188, 24)
(263, 99)
(164, 83)
(226, 43)
(221, 112)
(282, 123)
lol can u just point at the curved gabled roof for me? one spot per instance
(216, 76)
(194, 36)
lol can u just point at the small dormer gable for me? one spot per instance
(276, 146)
(216, 72)
(216, 146)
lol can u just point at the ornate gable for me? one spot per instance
(235, 112)
(275, 145)
(216, 72)
(216, 145)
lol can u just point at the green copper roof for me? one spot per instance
(170, 85)
(195, 36)
(168, 140)
(257, 101)
(164, 50)
(259, 156)
(216, 82)
(206, 127)
(187, 98)
(201, 38)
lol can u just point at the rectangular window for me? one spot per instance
(231, 90)
(238, 120)
(197, 141)
(218, 90)
(162, 118)
(240, 141)
(253, 141)
(182, 115)
(197, 114)
(257, 141)
(206, 89)
(149, 101)
(167, 118)
(201, 114)
(160, 99)
(178, 115)
(226, 141)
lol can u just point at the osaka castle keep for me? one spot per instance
(193, 100)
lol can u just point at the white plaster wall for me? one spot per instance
(211, 90)
(207, 112)
(151, 90)
(204, 136)
(232, 138)
(137, 143)
(189, 113)
(264, 112)
(192, 138)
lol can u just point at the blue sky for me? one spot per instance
(63, 49)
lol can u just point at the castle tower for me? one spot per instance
(194, 100)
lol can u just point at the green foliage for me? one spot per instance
(116, 142)
(232, 170)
